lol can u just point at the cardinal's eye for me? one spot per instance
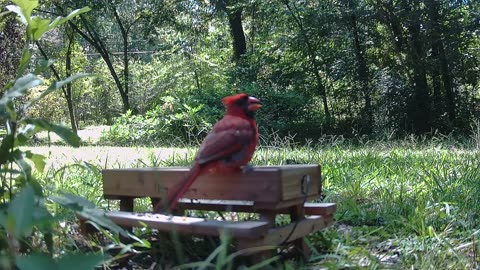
(243, 101)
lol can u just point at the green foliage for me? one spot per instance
(171, 123)
(400, 204)
(37, 26)
(357, 59)
(407, 198)
(286, 112)
(186, 118)
(23, 213)
(69, 261)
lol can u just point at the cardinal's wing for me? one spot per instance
(228, 137)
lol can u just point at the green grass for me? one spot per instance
(401, 205)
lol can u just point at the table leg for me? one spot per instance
(126, 204)
(297, 213)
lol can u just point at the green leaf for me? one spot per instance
(3, 219)
(80, 261)
(44, 65)
(61, 20)
(38, 160)
(20, 87)
(19, 158)
(5, 13)
(19, 12)
(24, 62)
(42, 219)
(7, 144)
(48, 237)
(86, 209)
(65, 133)
(37, 27)
(37, 188)
(3, 112)
(27, 6)
(59, 84)
(7, 110)
(21, 209)
(72, 201)
(24, 133)
(36, 262)
(98, 216)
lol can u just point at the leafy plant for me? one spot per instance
(169, 123)
(23, 214)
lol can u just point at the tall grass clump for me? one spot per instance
(412, 193)
(476, 134)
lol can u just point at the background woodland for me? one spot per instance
(382, 68)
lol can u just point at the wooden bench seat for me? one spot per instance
(243, 229)
(192, 225)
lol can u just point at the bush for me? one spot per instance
(169, 124)
(187, 117)
(286, 112)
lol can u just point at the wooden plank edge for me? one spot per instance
(277, 236)
(244, 206)
(243, 229)
(186, 169)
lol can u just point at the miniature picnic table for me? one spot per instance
(266, 190)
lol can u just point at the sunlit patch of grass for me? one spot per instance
(401, 204)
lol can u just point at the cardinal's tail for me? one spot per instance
(173, 197)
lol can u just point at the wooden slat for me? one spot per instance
(243, 229)
(268, 184)
(322, 209)
(283, 204)
(260, 185)
(248, 207)
(276, 236)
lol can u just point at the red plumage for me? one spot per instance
(229, 145)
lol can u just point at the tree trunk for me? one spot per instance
(438, 53)
(421, 110)
(238, 36)
(235, 22)
(91, 36)
(410, 43)
(363, 75)
(437, 101)
(124, 32)
(387, 14)
(316, 66)
(68, 88)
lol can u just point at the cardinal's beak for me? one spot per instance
(254, 104)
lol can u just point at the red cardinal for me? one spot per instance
(228, 146)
